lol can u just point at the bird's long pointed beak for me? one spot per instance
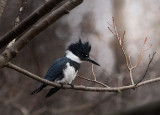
(92, 61)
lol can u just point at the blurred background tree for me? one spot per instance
(139, 18)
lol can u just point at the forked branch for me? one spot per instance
(12, 51)
(28, 22)
(129, 64)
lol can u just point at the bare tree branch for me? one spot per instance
(2, 6)
(94, 75)
(11, 52)
(129, 65)
(95, 80)
(20, 107)
(151, 59)
(28, 22)
(18, 19)
(98, 82)
(81, 87)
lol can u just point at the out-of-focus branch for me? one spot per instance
(150, 108)
(62, 110)
(11, 52)
(81, 87)
(88, 107)
(101, 101)
(28, 22)
(2, 6)
(18, 19)
(20, 107)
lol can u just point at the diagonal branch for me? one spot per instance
(18, 19)
(95, 78)
(151, 59)
(81, 87)
(98, 82)
(28, 22)
(11, 52)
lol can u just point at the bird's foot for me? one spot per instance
(62, 85)
(71, 85)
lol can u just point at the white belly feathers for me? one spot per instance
(69, 74)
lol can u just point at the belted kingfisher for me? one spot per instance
(64, 70)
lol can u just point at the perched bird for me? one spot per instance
(64, 70)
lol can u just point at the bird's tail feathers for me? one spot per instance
(38, 89)
(52, 91)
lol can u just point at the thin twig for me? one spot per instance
(129, 59)
(111, 30)
(120, 41)
(141, 54)
(151, 59)
(123, 37)
(93, 81)
(129, 65)
(110, 24)
(93, 73)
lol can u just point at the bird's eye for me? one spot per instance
(82, 54)
(86, 55)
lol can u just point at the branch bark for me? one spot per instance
(28, 22)
(81, 87)
(11, 52)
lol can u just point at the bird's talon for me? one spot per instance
(71, 85)
(62, 85)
